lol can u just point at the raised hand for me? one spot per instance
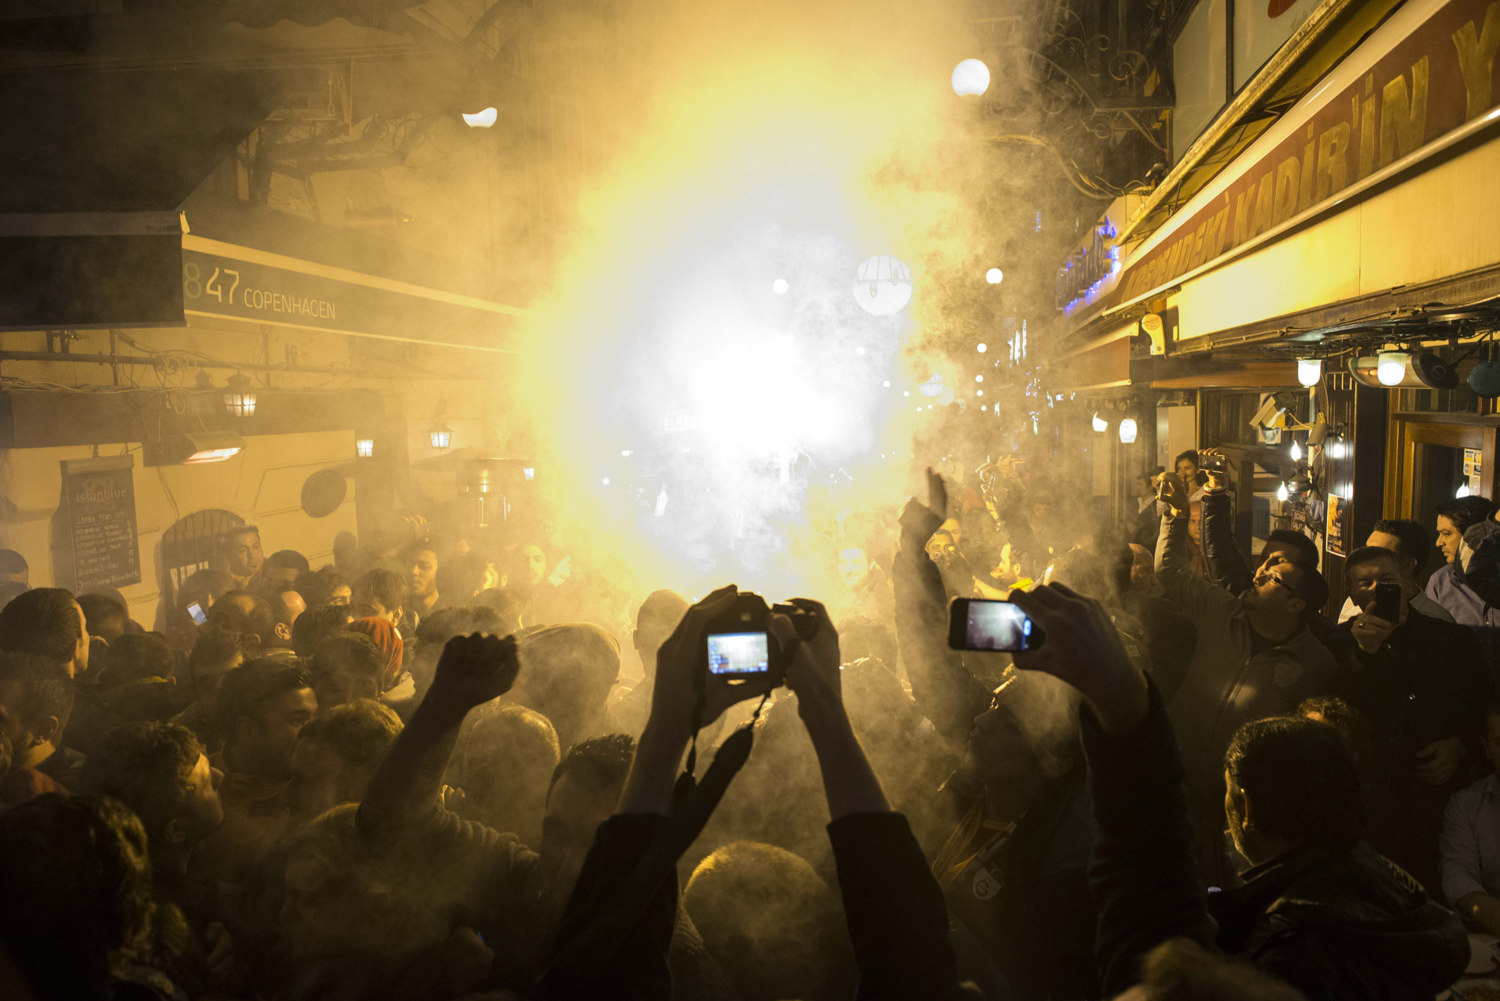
(473, 670)
(682, 667)
(1082, 647)
(813, 673)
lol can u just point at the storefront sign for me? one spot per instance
(1424, 84)
(99, 507)
(219, 285)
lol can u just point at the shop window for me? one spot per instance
(192, 543)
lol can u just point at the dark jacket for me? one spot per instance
(1336, 923)
(1024, 917)
(1228, 683)
(1428, 682)
(1343, 923)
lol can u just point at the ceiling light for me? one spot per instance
(1309, 371)
(971, 78)
(482, 119)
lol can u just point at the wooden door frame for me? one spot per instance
(1451, 430)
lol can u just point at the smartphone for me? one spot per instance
(990, 624)
(1387, 604)
(739, 653)
(196, 611)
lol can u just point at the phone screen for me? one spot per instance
(1387, 604)
(995, 625)
(196, 611)
(738, 653)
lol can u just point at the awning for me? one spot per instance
(96, 164)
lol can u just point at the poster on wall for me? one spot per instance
(1338, 518)
(98, 499)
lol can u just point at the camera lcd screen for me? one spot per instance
(738, 653)
(996, 625)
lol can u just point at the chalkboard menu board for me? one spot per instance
(98, 499)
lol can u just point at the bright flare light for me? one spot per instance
(1296, 451)
(1100, 424)
(883, 286)
(482, 119)
(1391, 369)
(1282, 493)
(994, 276)
(971, 78)
(1463, 491)
(1309, 371)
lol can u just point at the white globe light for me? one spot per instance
(1127, 431)
(971, 78)
(886, 384)
(482, 119)
(779, 286)
(994, 276)
(1309, 371)
(979, 378)
(1391, 369)
(1100, 424)
(882, 286)
(982, 347)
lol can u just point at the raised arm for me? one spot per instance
(1226, 564)
(1143, 877)
(897, 919)
(947, 693)
(472, 670)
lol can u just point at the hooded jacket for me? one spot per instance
(1335, 922)
(1343, 923)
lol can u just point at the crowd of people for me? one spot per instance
(425, 772)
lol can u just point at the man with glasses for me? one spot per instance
(1423, 686)
(1255, 657)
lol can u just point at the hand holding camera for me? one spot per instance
(1215, 467)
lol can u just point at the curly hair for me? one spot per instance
(147, 766)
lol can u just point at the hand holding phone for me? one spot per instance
(195, 611)
(1387, 603)
(991, 625)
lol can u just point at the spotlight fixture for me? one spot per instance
(1100, 424)
(1309, 371)
(194, 448)
(239, 396)
(1391, 369)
